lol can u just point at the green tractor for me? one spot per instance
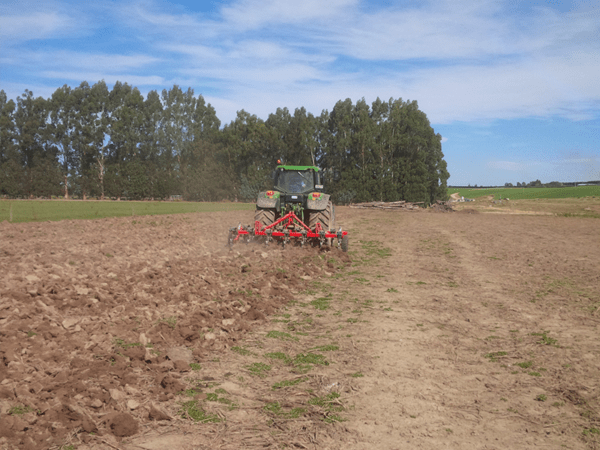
(296, 209)
(298, 189)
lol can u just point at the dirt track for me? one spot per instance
(446, 331)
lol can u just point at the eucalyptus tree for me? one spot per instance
(37, 155)
(90, 104)
(62, 123)
(245, 140)
(417, 153)
(11, 170)
(123, 159)
(203, 172)
(176, 132)
(149, 148)
(339, 154)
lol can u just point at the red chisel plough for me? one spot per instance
(289, 229)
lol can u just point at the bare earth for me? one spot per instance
(458, 330)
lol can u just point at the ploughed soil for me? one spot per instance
(436, 330)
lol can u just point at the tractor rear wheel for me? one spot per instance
(325, 217)
(265, 216)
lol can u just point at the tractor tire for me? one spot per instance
(265, 216)
(345, 240)
(325, 217)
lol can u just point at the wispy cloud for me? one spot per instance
(92, 77)
(248, 14)
(479, 60)
(40, 25)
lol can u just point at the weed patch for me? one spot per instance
(331, 404)
(545, 339)
(525, 364)
(121, 343)
(493, 357)
(288, 383)
(326, 348)
(258, 369)
(275, 409)
(192, 410)
(281, 335)
(242, 351)
(280, 356)
(19, 410)
(321, 303)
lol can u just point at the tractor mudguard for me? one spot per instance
(268, 199)
(317, 201)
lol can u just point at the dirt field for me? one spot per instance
(438, 330)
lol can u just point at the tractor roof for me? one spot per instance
(284, 167)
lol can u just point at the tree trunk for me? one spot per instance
(101, 176)
(66, 189)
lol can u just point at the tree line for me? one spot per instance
(90, 141)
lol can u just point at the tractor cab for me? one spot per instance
(297, 179)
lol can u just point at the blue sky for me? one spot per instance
(512, 86)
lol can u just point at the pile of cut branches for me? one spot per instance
(388, 205)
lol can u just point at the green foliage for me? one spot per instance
(258, 369)
(281, 335)
(280, 356)
(327, 348)
(330, 403)
(90, 141)
(304, 360)
(525, 364)
(395, 154)
(274, 408)
(121, 343)
(321, 303)
(545, 339)
(192, 410)
(19, 410)
(288, 383)
(495, 355)
(242, 351)
(591, 431)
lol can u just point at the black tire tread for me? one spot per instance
(325, 217)
(345, 242)
(265, 216)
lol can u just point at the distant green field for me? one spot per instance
(529, 193)
(41, 210)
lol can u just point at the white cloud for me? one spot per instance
(92, 77)
(252, 14)
(82, 61)
(37, 25)
(473, 61)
